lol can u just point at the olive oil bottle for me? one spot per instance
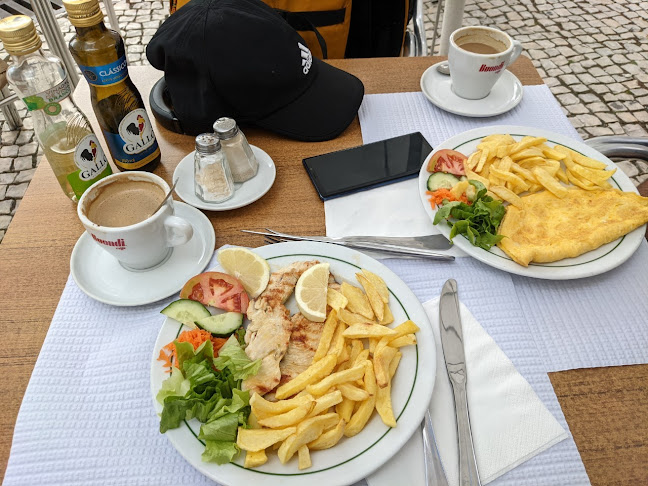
(70, 145)
(101, 55)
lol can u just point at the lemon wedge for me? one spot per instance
(311, 290)
(249, 268)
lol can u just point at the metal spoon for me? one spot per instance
(444, 68)
(165, 197)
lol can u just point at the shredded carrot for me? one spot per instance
(196, 337)
(437, 197)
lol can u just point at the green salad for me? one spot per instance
(209, 390)
(478, 221)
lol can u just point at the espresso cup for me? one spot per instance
(117, 213)
(477, 57)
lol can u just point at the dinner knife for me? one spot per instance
(452, 343)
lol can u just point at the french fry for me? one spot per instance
(510, 177)
(345, 409)
(329, 438)
(303, 456)
(312, 374)
(343, 357)
(406, 340)
(508, 195)
(337, 342)
(263, 408)
(356, 348)
(254, 440)
(352, 374)
(370, 379)
(388, 317)
(307, 431)
(476, 177)
(358, 301)
(595, 176)
(552, 154)
(351, 318)
(378, 283)
(286, 419)
(383, 397)
(352, 392)
(375, 300)
(580, 158)
(336, 300)
(362, 357)
(525, 143)
(327, 335)
(482, 160)
(549, 182)
(255, 459)
(360, 417)
(325, 402)
(360, 331)
(382, 359)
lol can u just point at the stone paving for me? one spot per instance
(593, 54)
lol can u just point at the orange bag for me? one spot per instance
(324, 24)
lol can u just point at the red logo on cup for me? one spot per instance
(491, 69)
(118, 245)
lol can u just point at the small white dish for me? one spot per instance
(246, 192)
(505, 95)
(100, 276)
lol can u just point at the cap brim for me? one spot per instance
(323, 111)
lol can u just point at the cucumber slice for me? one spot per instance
(441, 180)
(186, 311)
(221, 324)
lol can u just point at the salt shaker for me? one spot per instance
(212, 176)
(242, 161)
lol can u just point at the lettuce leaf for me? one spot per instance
(209, 390)
(233, 357)
(478, 221)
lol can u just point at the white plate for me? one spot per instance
(352, 458)
(591, 263)
(100, 276)
(505, 95)
(246, 192)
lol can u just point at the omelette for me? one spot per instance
(550, 228)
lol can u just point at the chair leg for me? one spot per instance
(10, 113)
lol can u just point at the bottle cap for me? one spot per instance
(207, 143)
(225, 128)
(83, 13)
(18, 35)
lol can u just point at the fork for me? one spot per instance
(367, 243)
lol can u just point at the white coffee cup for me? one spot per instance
(143, 245)
(473, 73)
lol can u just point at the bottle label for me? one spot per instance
(92, 163)
(108, 74)
(135, 144)
(49, 100)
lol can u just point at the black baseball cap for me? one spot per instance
(240, 59)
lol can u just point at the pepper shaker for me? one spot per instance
(242, 161)
(212, 176)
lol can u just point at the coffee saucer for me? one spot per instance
(505, 95)
(246, 192)
(100, 276)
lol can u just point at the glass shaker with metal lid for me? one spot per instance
(242, 161)
(212, 176)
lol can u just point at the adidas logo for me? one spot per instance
(307, 57)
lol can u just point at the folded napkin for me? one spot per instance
(510, 424)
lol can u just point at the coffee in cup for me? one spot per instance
(477, 57)
(119, 213)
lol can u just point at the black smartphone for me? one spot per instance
(346, 171)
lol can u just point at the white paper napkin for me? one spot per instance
(510, 424)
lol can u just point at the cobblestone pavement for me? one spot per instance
(593, 54)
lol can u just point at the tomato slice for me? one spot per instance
(218, 290)
(449, 161)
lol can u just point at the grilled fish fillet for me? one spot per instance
(270, 327)
(549, 229)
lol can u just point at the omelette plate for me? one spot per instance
(594, 262)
